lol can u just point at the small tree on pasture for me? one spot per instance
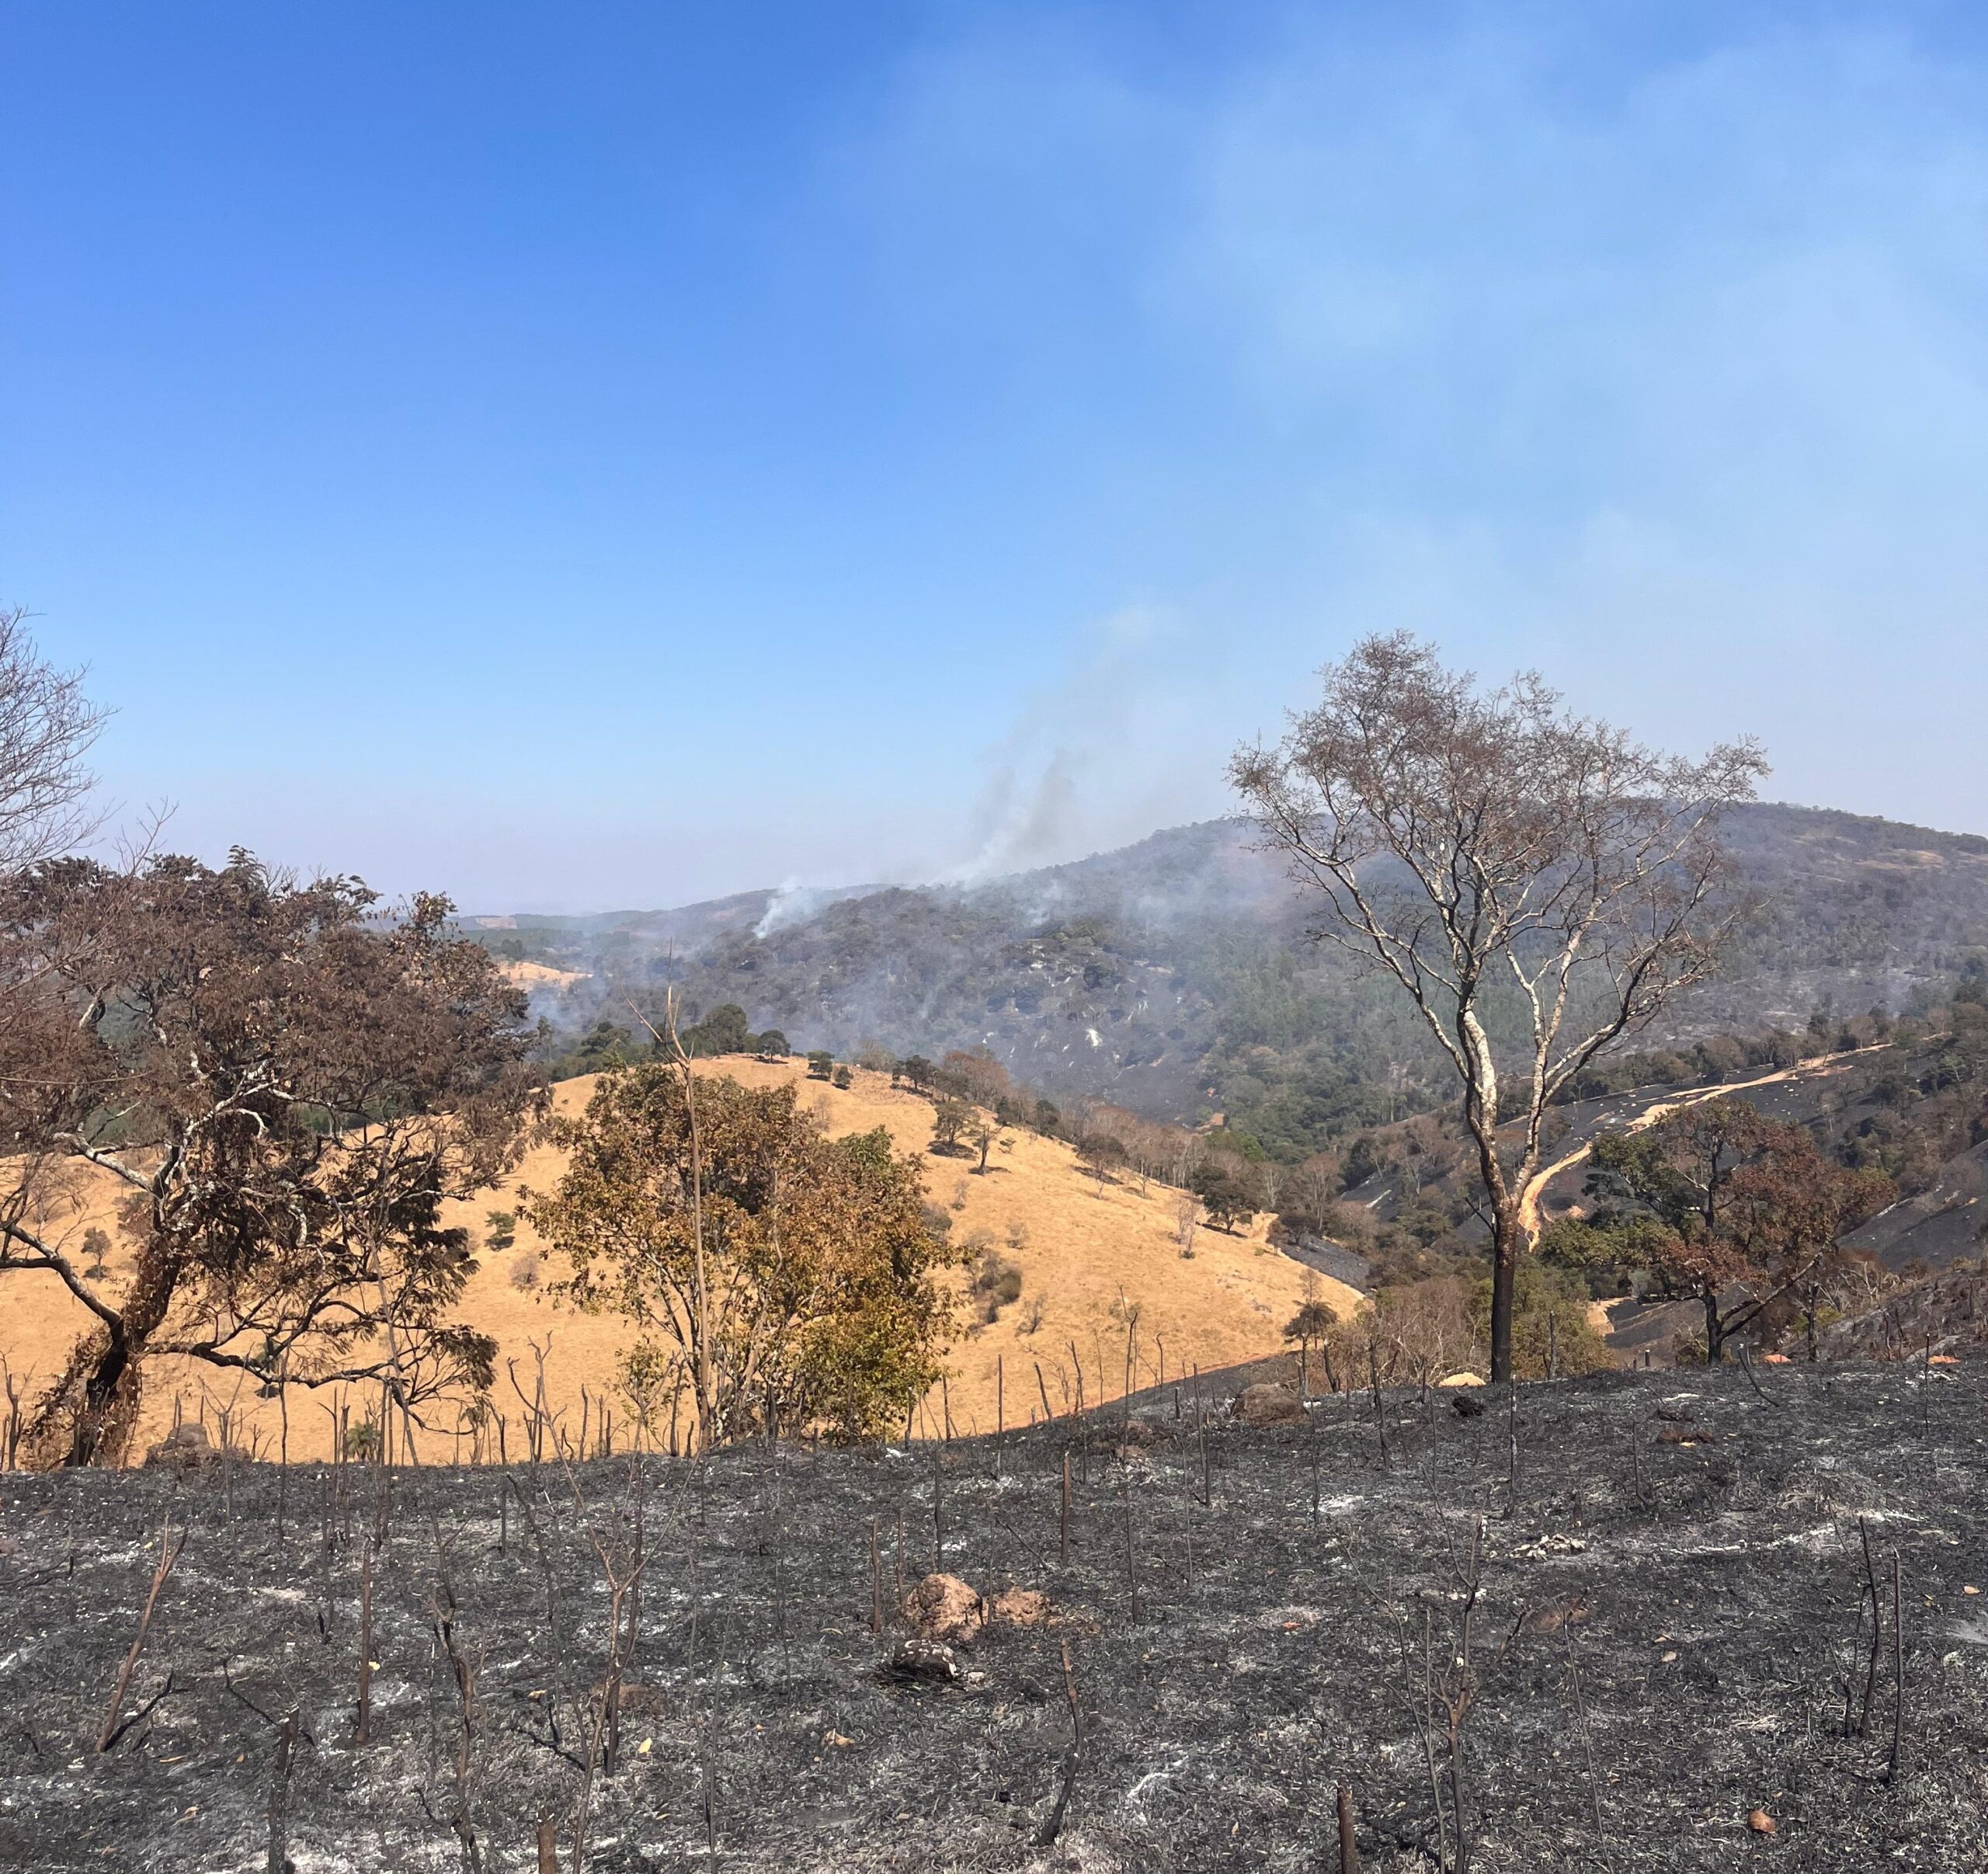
(1100, 1154)
(819, 1304)
(975, 1075)
(1187, 1219)
(1227, 1189)
(950, 1119)
(983, 1132)
(1474, 844)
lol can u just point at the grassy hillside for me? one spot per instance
(1091, 1253)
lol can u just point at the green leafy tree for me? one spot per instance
(724, 1031)
(1552, 1331)
(821, 1064)
(950, 1118)
(1227, 1188)
(1313, 1325)
(821, 1305)
(500, 1229)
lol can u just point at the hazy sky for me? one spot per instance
(577, 456)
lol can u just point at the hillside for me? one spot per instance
(1173, 976)
(1089, 1253)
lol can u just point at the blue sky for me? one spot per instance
(617, 454)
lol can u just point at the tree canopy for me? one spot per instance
(287, 1087)
(820, 1307)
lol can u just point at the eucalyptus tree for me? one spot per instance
(1477, 844)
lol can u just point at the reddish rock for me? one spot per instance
(1270, 1405)
(943, 1608)
(1021, 1607)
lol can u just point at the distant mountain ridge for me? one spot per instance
(1173, 976)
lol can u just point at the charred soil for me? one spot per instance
(1664, 1602)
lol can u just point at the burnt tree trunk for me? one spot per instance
(1507, 1245)
(90, 1411)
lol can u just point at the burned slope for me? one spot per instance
(1664, 1632)
(1174, 975)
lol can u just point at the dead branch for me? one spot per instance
(169, 1553)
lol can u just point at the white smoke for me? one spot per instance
(1087, 763)
(791, 903)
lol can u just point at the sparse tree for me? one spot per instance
(983, 1132)
(1187, 1220)
(47, 726)
(976, 1075)
(1307, 1196)
(1477, 843)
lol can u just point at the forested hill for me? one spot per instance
(1174, 976)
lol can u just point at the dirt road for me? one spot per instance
(1676, 1102)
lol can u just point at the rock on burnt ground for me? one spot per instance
(1669, 1629)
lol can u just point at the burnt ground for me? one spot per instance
(1684, 1550)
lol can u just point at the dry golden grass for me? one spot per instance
(536, 975)
(1090, 1254)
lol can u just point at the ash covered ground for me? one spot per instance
(1670, 1626)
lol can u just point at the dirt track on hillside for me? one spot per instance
(1669, 1103)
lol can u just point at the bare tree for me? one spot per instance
(47, 727)
(1480, 844)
